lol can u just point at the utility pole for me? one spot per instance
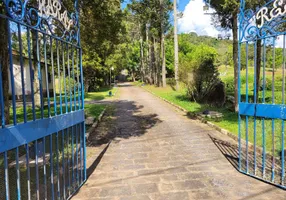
(176, 45)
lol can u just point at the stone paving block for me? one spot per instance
(157, 165)
(191, 176)
(169, 178)
(112, 175)
(146, 188)
(137, 155)
(149, 172)
(137, 197)
(96, 198)
(165, 187)
(172, 196)
(132, 167)
(175, 170)
(115, 191)
(189, 185)
(202, 195)
(98, 183)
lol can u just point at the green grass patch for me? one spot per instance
(102, 94)
(94, 110)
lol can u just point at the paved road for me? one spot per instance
(145, 149)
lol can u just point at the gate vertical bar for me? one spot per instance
(68, 161)
(37, 171)
(273, 121)
(31, 74)
(22, 72)
(12, 74)
(45, 168)
(263, 119)
(78, 82)
(46, 74)
(242, 6)
(58, 167)
(2, 99)
(69, 78)
(6, 176)
(59, 75)
(246, 118)
(28, 171)
(255, 101)
(53, 77)
(18, 175)
(74, 99)
(64, 78)
(73, 158)
(283, 122)
(52, 167)
(63, 164)
(40, 73)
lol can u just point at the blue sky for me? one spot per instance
(194, 19)
(182, 4)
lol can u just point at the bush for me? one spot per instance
(203, 76)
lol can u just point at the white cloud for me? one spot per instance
(194, 20)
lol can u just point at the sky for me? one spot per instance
(194, 19)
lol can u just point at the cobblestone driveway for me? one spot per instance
(148, 150)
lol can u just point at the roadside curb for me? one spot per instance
(95, 124)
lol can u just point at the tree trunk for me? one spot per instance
(36, 81)
(157, 64)
(133, 76)
(176, 46)
(258, 68)
(235, 58)
(142, 60)
(4, 62)
(153, 63)
(163, 56)
(148, 57)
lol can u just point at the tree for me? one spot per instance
(154, 19)
(226, 16)
(101, 31)
(4, 64)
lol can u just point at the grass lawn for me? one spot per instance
(94, 110)
(230, 119)
(102, 94)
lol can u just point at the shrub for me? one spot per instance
(203, 76)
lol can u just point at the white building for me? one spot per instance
(27, 75)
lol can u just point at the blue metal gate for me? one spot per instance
(262, 109)
(42, 134)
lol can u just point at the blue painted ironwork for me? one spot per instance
(44, 141)
(260, 29)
